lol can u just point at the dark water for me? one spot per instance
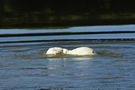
(24, 65)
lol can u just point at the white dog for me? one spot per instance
(77, 51)
(81, 51)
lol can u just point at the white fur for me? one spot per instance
(82, 51)
(78, 51)
(65, 51)
(54, 50)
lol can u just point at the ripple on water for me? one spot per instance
(23, 64)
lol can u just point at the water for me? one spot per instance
(24, 65)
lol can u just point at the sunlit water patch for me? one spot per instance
(25, 66)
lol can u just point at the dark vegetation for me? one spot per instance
(44, 13)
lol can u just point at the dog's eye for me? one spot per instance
(93, 51)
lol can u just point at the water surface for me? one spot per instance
(24, 65)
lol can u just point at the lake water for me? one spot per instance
(24, 65)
